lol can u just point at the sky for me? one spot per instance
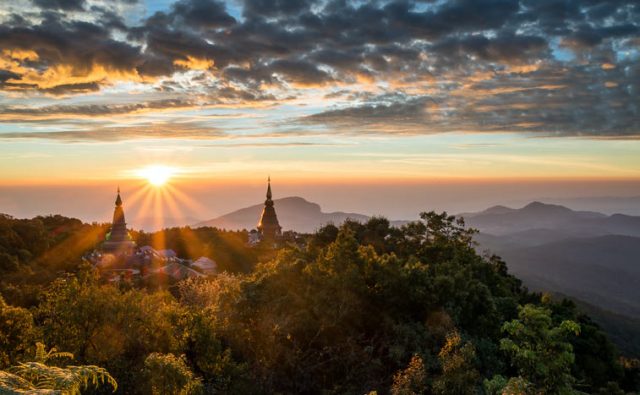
(356, 105)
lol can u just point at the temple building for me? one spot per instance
(268, 226)
(118, 239)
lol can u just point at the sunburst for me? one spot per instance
(157, 175)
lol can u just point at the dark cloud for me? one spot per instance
(453, 16)
(208, 14)
(53, 44)
(109, 19)
(587, 101)
(299, 71)
(385, 115)
(587, 37)
(66, 5)
(82, 87)
(506, 48)
(276, 8)
(279, 47)
(71, 5)
(7, 75)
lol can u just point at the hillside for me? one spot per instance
(505, 221)
(622, 330)
(588, 256)
(364, 308)
(584, 254)
(604, 271)
(294, 213)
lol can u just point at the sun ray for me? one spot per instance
(156, 175)
(185, 200)
(191, 240)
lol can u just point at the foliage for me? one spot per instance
(540, 351)
(33, 252)
(212, 359)
(17, 333)
(360, 308)
(43, 356)
(412, 380)
(38, 377)
(170, 375)
(459, 375)
(105, 326)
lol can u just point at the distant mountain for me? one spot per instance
(603, 271)
(586, 255)
(505, 221)
(294, 213)
(501, 220)
(629, 205)
(622, 330)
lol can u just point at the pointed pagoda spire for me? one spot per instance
(118, 199)
(269, 188)
(268, 225)
(118, 239)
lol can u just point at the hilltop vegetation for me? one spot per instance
(360, 308)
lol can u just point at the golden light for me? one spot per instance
(157, 175)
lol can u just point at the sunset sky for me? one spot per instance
(324, 95)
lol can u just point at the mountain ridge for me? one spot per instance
(586, 255)
(294, 213)
(506, 221)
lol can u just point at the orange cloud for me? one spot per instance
(193, 63)
(20, 54)
(62, 74)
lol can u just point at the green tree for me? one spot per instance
(170, 375)
(412, 380)
(105, 326)
(540, 351)
(459, 375)
(39, 377)
(17, 333)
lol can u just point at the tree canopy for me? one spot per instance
(359, 308)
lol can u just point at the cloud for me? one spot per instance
(208, 14)
(454, 65)
(394, 116)
(91, 110)
(276, 145)
(504, 49)
(121, 134)
(64, 56)
(66, 5)
(588, 101)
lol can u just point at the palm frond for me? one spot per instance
(42, 355)
(69, 380)
(10, 381)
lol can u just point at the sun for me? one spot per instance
(157, 175)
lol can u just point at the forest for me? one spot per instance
(361, 308)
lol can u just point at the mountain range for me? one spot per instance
(505, 221)
(294, 213)
(588, 256)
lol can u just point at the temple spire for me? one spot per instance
(118, 239)
(269, 188)
(118, 199)
(268, 225)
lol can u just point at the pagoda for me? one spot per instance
(118, 239)
(268, 226)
